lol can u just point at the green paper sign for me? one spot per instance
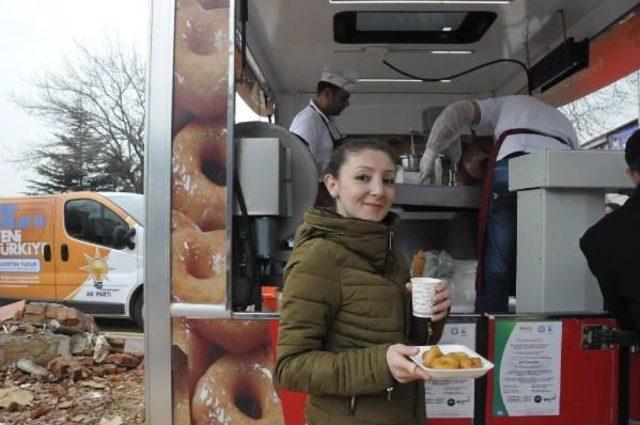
(526, 378)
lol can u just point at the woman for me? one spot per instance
(346, 314)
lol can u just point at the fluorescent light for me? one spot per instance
(420, 1)
(446, 29)
(445, 81)
(388, 80)
(451, 52)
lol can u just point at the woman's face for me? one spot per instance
(365, 187)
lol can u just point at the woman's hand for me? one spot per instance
(403, 369)
(441, 301)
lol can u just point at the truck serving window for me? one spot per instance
(90, 221)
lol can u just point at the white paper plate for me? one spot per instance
(453, 374)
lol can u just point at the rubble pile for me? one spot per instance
(57, 368)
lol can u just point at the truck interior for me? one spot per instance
(413, 58)
(293, 41)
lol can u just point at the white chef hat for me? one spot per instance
(344, 79)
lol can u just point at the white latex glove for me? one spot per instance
(444, 136)
(454, 151)
(427, 163)
(450, 124)
(428, 160)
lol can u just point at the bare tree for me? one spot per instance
(107, 89)
(594, 114)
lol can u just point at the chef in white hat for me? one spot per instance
(315, 123)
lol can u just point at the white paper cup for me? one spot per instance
(423, 290)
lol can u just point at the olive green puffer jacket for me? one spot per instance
(344, 303)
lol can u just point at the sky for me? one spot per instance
(34, 36)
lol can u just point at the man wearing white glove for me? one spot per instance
(444, 138)
(521, 125)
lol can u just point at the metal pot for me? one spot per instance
(410, 162)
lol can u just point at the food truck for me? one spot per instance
(223, 197)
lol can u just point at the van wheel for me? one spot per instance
(136, 314)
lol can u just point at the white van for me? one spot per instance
(82, 249)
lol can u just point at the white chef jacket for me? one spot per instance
(317, 130)
(509, 112)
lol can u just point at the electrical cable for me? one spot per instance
(564, 24)
(451, 77)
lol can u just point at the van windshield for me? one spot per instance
(133, 204)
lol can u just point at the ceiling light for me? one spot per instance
(445, 81)
(420, 1)
(446, 29)
(388, 80)
(451, 52)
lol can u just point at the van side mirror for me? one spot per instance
(130, 239)
(123, 237)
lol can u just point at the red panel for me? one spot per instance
(588, 386)
(634, 387)
(292, 402)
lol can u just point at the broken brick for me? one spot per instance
(123, 359)
(65, 367)
(38, 411)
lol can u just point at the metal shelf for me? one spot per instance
(433, 215)
(438, 196)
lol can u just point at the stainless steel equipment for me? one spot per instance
(276, 182)
(410, 162)
(265, 185)
(560, 195)
(291, 162)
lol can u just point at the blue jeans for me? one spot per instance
(499, 277)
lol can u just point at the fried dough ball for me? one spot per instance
(445, 362)
(198, 262)
(235, 336)
(238, 390)
(470, 363)
(201, 48)
(431, 354)
(199, 175)
(459, 355)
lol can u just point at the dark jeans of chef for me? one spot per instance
(499, 280)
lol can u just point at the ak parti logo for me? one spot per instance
(98, 268)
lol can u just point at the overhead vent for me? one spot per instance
(358, 27)
(563, 61)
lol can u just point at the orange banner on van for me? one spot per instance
(612, 56)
